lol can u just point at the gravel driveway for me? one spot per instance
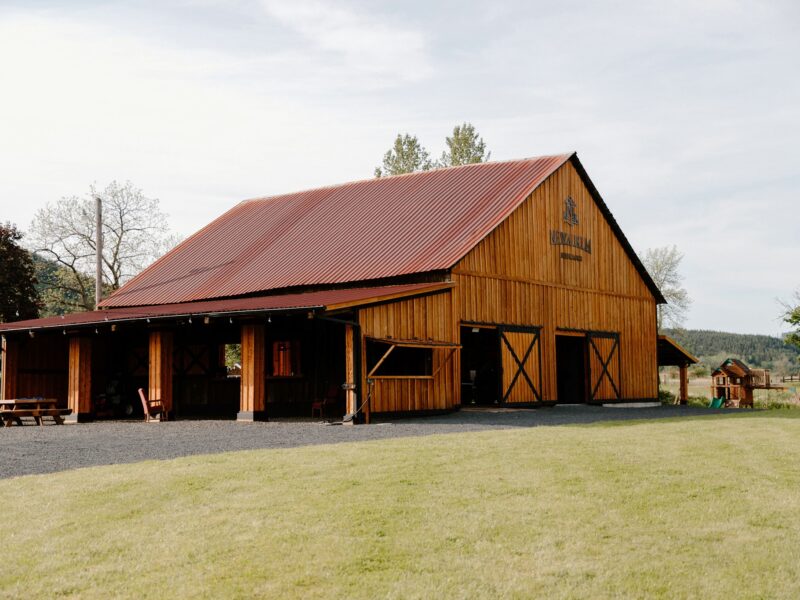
(28, 450)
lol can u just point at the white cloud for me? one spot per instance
(362, 43)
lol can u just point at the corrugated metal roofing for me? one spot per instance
(357, 231)
(326, 299)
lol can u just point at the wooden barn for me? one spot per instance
(505, 283)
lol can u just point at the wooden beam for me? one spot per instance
(367, 410)
(79, 387)
(444, 362)
(10, 367)
(350, 371)
(160, 369)
(684, 384)
(434, 288)
(252, 387)
(380, 362)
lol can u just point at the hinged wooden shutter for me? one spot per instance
(522, 364)
(604, 366)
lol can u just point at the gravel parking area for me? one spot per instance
(31, 449)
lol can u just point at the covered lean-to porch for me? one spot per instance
(245, 359)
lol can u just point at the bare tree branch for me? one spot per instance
(135, 233)
(663, 265)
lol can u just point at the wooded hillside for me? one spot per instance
(759, 351)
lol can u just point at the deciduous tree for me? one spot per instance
(663, 264)
(406, 155)
(464, 147)
(792, 317)
(135, 233)
(18, 296)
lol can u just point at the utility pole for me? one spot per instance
(98, 286)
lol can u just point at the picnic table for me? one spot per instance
(13, 410)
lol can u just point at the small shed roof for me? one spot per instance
(735, 367)
(672, 354)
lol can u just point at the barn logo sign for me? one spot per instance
(570, 214)
(566, 238)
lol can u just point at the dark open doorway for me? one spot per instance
(571, 369)
(480, 366)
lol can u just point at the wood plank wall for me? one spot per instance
(516, 276)
(36, 367)
(10, 358)
(430, 317)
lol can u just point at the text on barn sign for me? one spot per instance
(562, 238)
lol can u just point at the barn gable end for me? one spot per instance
(538, 243)
(560, 266)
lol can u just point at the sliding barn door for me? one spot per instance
(520, 350)
(604, 366)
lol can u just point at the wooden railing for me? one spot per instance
(790, 378)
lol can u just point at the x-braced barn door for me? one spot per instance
(522, 363)
(604, 366)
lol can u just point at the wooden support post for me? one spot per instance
(367, 389)
(351, 399)
(252, 395)
(684, 384)
(160, 370)
(79, 387)
(10, 366)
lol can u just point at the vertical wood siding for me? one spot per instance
(36, 367)
(430, 317)
(516, 276)
(10, 360)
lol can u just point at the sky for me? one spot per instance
(686, 114)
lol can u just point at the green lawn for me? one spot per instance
(706, 507)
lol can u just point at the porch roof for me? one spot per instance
(672, 354)
(328, 300)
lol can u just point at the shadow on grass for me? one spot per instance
(583, 415)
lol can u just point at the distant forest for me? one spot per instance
(758, 351)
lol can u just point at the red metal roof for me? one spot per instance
(326, 299)
(353, 232)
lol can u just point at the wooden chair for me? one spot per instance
(329, 399)
(152, 408)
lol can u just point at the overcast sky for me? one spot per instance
(686, 114)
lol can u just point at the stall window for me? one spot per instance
(401, 362)
(286, 358)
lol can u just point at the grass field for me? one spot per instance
(694, 507)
